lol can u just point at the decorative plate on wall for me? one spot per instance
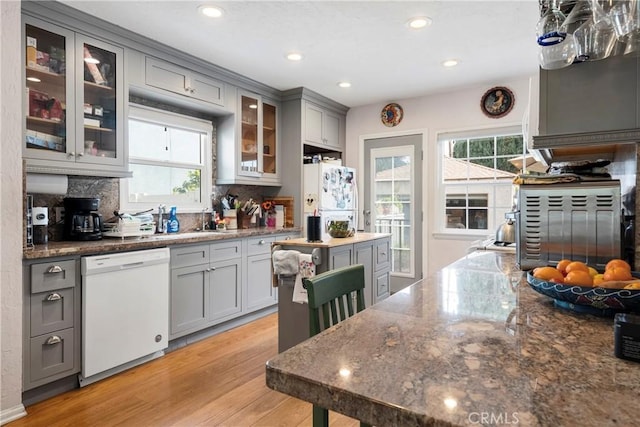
(391, 114)
(497, 102)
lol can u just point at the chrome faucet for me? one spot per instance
(160, 225)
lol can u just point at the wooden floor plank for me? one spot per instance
(219, 381)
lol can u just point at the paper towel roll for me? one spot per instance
(40, 183)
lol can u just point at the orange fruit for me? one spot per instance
(577, 266)
(597, 279)
(634, 286)
(616, 262)
(593, 272)
(562, 265)
(547, 273)
(578, 277)
(617, 273)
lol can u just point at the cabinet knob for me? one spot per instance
(54, 269)
(80, 154)
(187, 89)
(261, 242)
(71, 154)
(53, 339)
(53, 297)
(192, 90)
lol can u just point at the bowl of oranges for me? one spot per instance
(579, 287)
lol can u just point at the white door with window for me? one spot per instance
(393, 204)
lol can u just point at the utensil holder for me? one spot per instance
(244, 220)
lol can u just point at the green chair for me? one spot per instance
(331, 301)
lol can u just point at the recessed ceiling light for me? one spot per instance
(294, 56)
(210, 11)
(91, 60)
(344, 84)
(34, 79)
(419, 22)
(450, 63)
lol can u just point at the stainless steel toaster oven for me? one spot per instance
(580, 221)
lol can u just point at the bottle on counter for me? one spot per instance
(173, 225)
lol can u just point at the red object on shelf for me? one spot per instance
(37, 102)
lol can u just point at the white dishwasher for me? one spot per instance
(125, 311)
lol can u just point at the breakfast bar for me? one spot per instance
(471, 345)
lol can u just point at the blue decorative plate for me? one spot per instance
(584, 299)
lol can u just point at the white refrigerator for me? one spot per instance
(330, 191)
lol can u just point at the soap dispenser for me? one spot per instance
(173, 225)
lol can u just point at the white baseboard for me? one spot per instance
(8, 415)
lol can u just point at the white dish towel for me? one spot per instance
(286, 262)
(306, 268)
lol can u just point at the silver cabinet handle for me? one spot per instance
(53, 339)
(193, 91)
(54, 269)
(187, 89)
(383, 253)
(213, 269)
(80, 154)
(261, 242)
(71, 154)
(53, 297)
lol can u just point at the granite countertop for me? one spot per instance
(331, 242)
(107, 245)
(466, 347)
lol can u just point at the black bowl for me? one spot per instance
(599, 301)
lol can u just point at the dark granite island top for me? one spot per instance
(466, 347)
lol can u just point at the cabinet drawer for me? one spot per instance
(52, 311)
(51, 354)
(382, 285)
(48, 276)
(382, 254)
(189, 255)
(226, 250)
(260, 245)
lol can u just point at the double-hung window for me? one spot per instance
(476, 174)
(170, 157)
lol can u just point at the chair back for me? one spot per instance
(330, 296)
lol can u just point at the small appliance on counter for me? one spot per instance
(81, 219)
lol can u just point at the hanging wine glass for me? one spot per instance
(548, 28)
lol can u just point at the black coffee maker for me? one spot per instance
(81, 218)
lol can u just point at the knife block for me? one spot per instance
(244, 220)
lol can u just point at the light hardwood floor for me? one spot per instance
(219, 381)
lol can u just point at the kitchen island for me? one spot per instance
(372, 250)
(471, 345)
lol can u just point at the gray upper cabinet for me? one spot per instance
(74, 102)
(322, 127)
(166, 76)
(249, 142)
(595, 100)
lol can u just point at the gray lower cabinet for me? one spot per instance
(340, 256)
(205, 286)
(52, 318)
(260, 292)
(374, 255)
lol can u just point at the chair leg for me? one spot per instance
(320, 417)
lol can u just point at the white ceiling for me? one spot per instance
(364, 42)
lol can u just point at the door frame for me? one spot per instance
(423, 132)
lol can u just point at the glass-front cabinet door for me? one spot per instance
(74, 102)
(258, 146)
(49, 130)
(100, 105)
(249, 134)
(269, 125)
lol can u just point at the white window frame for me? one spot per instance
(490, 188)
(178, 121)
